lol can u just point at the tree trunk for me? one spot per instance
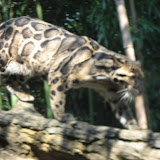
(140, 57)
(129, 50)
(135, 28)
(25, 134)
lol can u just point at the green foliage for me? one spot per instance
(47, 98)
(98, 20)
(39, 10)
(5, 102)
(13, 100)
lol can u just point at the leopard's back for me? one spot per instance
(29, 43)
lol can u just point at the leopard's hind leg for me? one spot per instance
(15, 84)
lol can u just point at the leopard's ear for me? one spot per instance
(106, 64)
(119, 61)
(100, 63)
(138, 63)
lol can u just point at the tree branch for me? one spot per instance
(25, 133)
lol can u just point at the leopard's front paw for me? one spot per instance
(68, 118)
(65, 118)
(132, 125)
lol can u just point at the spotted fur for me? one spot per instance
(31, 47)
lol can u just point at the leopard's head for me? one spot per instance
(129, 76)
(124, 75)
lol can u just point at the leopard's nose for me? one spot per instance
(140, 88)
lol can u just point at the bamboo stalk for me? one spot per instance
(39, 10)
(140, 100)
(14, 100)
(124, 26)
(45, 84)
(46, 92)
(129, 51)
(135, 28)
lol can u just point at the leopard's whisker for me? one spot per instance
(123, 90)
(126, 95)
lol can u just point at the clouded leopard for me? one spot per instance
(31, 47)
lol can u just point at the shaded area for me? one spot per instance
(25, 133)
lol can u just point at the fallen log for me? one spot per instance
(25, 134)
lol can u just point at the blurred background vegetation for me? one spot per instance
(96, 19)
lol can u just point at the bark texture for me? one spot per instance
(25, 134)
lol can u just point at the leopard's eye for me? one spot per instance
(121, 75)
(133, 76)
